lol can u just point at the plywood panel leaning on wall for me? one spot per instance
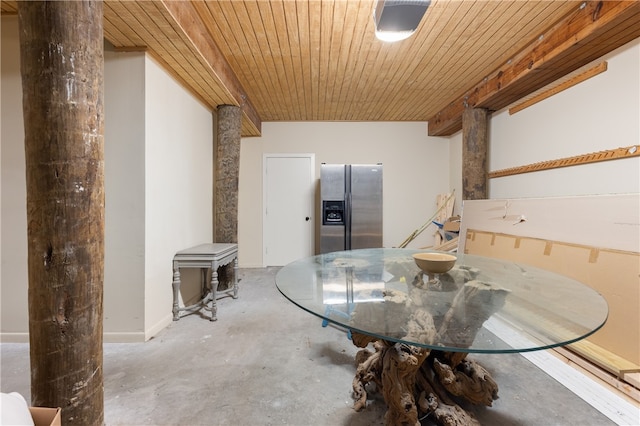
(593, 239)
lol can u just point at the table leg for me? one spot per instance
(393, 367)
(417, 380)
(176, 293)
(235, 278)
(214, 293)
(203, 284)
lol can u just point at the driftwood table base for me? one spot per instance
(417, 381)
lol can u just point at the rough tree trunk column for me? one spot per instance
(61, 48)
(475, 141)
(226, 176)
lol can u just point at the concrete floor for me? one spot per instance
(267, 362)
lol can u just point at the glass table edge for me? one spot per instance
(448, 348)
(536, 344)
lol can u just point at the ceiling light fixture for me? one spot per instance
(396, 20)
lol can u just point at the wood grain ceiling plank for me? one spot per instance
(286, 49)
(261, 49)
(359, 40)
(315, 24)
(389, 101)
(298, 12)
(290, 53)
(113, 34)
(422, 76)
(362, 54)
(387, 74)
(245, 52)
(121, 17)
(326, 30)
(339, 30)
(415, 62)
(264, 50)
(352, 32)
(442, 46)
(337, 59)
(431, 48)
(381, 70)
(273, 56)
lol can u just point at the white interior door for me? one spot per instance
(288, 222)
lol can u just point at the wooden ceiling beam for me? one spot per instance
(595, 22)
(187, 18)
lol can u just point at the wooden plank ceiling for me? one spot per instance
(300, 60)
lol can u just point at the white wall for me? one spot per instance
(13, 288)
(598, 114)
(179, 186)
(158, 191)
(415, 172)
(124, 183)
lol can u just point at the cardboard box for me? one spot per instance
(452, 224)
(46, 416)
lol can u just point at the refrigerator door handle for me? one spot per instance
(347, 219)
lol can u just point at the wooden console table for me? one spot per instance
(205, 256)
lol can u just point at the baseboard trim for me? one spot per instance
(14, 337)
(158, 327)
(107, 336)
(123, 337)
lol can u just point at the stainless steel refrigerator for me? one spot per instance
(351, 206)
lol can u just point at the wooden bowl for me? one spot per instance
(434, 263)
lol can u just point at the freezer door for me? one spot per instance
(366, 206)
(332, 208)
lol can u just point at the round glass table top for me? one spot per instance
(383, 293)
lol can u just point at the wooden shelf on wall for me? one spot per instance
(594, 157)
(565, 83)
